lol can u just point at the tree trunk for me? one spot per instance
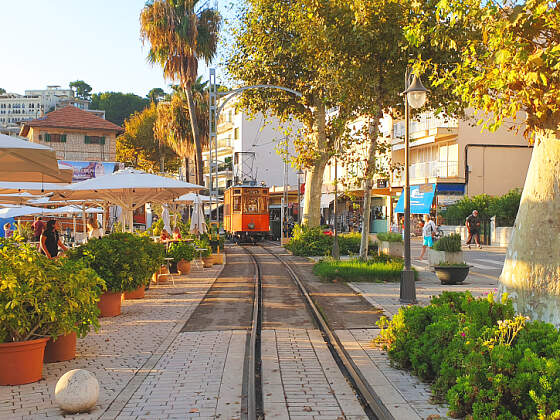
(185, 168)
(196, 137)
(367, 186)
(314, 177)
(531, 272)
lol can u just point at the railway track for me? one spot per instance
(370, 403)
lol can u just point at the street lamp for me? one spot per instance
(415, 96)
(299, 174)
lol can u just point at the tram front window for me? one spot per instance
(251, 205)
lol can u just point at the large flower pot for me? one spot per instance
(135, 294)
(110, 304)
(22, 361)
(438, 257)
(392, 249)
(450, 274)
(173, 268)
(207, 261)
(64, 348)
(184, 267)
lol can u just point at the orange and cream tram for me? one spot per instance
(246, 217)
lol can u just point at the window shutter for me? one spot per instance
(63, 138)
(102, 140)
(47, 137)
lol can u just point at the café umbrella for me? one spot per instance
(198, 224)
(129, 189)
(23, 161)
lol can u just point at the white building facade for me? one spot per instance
(16, 108)
(238, 131)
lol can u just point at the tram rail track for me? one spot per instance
(371, 404)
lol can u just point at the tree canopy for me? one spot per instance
(118, 106)
(2, 91)
(510, 58)
(81, 89)
(155, 95)
(138, 146)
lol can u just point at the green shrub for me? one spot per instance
(123, 260)
(203, 243)
(376, 269)
(308, 242)
(486, 362)
(389, 237)
(42, 297)
(449, 243)
(504, 208)
(180, 251)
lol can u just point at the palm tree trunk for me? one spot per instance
(196, 136)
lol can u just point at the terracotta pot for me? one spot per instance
(184, 267)
(22, 361)
(207, 261)
(64, 348)
(135, 294)
(162, 278)
(110, 304)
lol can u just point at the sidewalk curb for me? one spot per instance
(122, 398)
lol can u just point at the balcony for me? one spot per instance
(425, 126)
(222, 168)
(421, 171)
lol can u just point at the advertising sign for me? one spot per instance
(86, 170)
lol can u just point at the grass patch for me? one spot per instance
(376, 269)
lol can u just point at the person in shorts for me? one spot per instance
(428, 233)
(472, 223)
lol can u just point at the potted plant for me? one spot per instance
(77, 289)
(30, 304)
(151, 254)
(451, 273)
(390, 244)
(120, 260)
(182, 254)
(446, 250)
(206, 254)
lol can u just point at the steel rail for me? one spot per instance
(373, 406)
(253, 374)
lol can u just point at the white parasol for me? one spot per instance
(166, 218)
(129, 189)
(198, 224)
(23, 161)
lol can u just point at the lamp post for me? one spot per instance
(299, 174)
(414, 96)
(336, 247)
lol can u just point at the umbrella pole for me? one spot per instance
(74, 226)
(84, 220)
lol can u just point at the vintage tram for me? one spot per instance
(246, 217)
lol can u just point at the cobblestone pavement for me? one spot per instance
(301, 379)
(200, 376)
(119, 354)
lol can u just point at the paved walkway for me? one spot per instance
(121, 354)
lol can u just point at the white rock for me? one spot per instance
(76, 391)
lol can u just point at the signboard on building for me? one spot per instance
(86, 170)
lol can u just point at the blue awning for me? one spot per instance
(420, 202)
(451, 189)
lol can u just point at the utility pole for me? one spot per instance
(336, 248)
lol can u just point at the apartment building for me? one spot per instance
(75, 135)
(258, 138)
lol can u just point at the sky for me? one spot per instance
(54, 42)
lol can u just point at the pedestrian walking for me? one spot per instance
(8, 230)
(428, 233)
(473, 227)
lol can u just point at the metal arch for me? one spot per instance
(232, 93)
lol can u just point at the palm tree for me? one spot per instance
(172, 125)
(179, 35)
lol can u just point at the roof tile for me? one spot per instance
(70, 117)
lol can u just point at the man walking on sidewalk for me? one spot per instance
(473, 227)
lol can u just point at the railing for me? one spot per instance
(424, 124)
(433, 169)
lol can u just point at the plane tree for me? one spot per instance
(510, 71)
